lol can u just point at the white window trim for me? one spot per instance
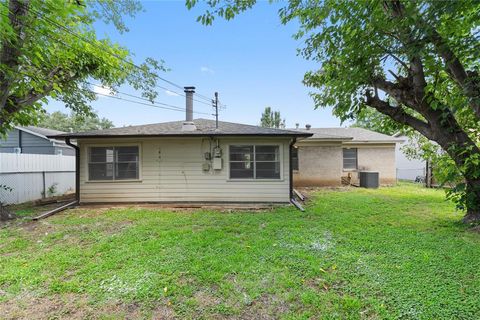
(281, 155)
(121, 144)
(356, 161)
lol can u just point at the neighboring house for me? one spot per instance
(185, 161)
(33, 140)
(335, 155)
(408, 169)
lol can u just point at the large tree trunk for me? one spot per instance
(473, 208)
(437, 121)
(441, 127)
(455, 141)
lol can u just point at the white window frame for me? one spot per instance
(356, 160)
(241, 144)
(126, 144)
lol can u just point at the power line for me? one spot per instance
(174, 108)
(120, 58)
(155, 104)
(145, 99)
(68, 30)
(121, 70)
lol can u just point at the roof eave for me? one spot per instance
(374, 141)
(62, 137)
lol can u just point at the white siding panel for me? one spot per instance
(24, 174)
(11, 162)
(171, 170)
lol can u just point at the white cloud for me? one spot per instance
(171, 93)
(102, 90)
(207, 70)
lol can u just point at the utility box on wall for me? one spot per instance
(217, 164)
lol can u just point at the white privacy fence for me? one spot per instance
(411, 174)
(35, 176)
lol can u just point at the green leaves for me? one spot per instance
(271, 119)
(74, 122)
(418, 59)
(61, 53)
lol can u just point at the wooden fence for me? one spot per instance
(35, 176)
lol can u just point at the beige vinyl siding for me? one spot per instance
(171, 171)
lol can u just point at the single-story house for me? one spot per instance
(184, 161)
(335, 156)
(34, 140)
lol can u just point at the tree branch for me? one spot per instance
(398, 114)
(468, 81)
(400, 91)
(34, 95)
(403, 64)
(15, 104)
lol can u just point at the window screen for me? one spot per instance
(350, 158)
(241, 162)
(255, 162)
(113, 163)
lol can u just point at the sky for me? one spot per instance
(251, 61)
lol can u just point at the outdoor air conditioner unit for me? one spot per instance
(17, 150)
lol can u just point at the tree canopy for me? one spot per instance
(271, 119)
(371, 119)
(416, 62)
(74, 122)
(49, 50)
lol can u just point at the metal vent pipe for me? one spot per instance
(189, 91)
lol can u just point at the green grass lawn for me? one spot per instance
(360, 254)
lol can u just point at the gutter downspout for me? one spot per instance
(290, 169)
(77, 168)
(292, 197)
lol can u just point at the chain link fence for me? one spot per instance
(30, 186)
(29, 177)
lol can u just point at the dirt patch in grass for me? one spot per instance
(184, 208)
(34, 208)
(74, 306)
(265, 307)
(205, 298)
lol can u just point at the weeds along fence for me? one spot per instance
(29, 177)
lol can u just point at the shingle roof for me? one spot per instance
(42, 131)
(204, 128)
(349, 135)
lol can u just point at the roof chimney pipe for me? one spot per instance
(189, 91)
(308, 126)
(188, 124)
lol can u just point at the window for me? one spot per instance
(255, 162)
(350, 159)
(113, 163)
(294, 158)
